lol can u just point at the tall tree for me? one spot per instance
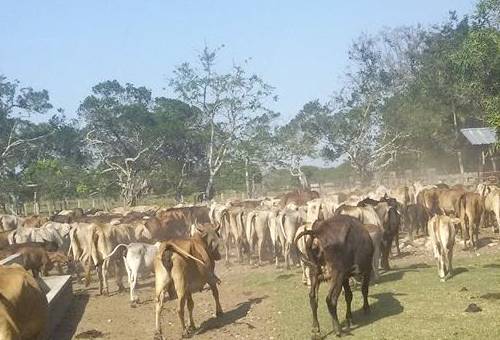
(297, 141)
(120, 130)
(16, 106)
(227, 102)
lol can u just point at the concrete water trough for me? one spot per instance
(58, 289)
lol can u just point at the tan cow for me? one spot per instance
(188, 265)
(256, 229)
(376, 234)
(233, 230)
(472, 216)
(442, 232)
(298, 197)
(23, 305)
(491, 196)
(448, 201)
(289, 221)
(302, 247)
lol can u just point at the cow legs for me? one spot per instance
(396, 240)
(99, 269)
(313, 302)
(386, 249)
(180, 313)
(375, 263)
(260, 244)
(348, 300)
(364, 290)
(190, 305)
(133, 272)
(286, 251)
(226, 246)
(304, 274)
(332, 299)
(162, 280)
(450, 266)
(238, 249)
(119, 275)
(215, 294)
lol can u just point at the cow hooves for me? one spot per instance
(315, 335)
(157, 336)
(219, 314)
(187, 333)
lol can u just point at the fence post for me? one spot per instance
(25, 205)
(79, 204)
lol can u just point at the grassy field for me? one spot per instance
(409, 302)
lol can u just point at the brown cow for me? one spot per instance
(339, 248)
(35, 221)
(298, 197)
(472, 216)
(416, 219)
(187, 265)
(448, 201)
(34, 258)
(376, 234)
(23, 305)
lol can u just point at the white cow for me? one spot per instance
(139, 258)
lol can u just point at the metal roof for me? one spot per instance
(480, 136)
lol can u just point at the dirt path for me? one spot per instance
(247, 314)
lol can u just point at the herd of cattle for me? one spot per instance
(333, 238)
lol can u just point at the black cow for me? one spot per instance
(338, 248)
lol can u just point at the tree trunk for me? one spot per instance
(459, 153)
(178, 189)
(247, 179)
(303, 180)
(210, 184)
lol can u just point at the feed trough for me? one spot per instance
(58, 290)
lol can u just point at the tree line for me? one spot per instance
(406, 94)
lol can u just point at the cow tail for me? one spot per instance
(305, 257)
(107, 258)
(462, 208)
(281, 222)
(252, 224)
(173, 247)
(224, 219)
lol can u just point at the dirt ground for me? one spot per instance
(255, 300)
(247, 314)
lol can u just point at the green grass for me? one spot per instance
(408, 303)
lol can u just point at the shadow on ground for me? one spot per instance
(231, 316)
(460, 270)
(386, 305)
(67, 327)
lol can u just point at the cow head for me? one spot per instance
(210, 235)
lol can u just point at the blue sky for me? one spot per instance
(300, 47)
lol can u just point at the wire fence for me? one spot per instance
(390, 180)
